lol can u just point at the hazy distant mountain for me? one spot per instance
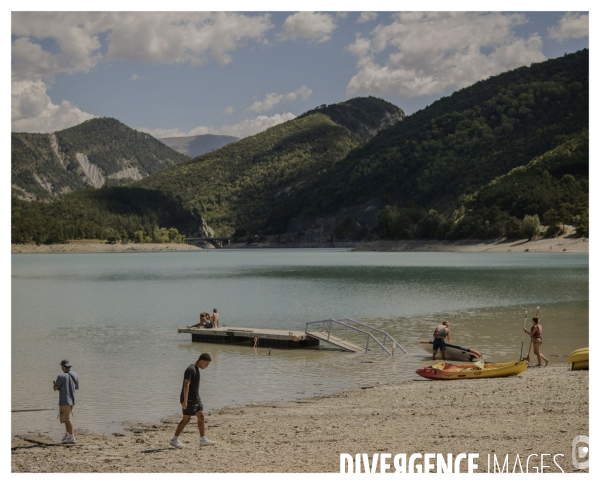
(198, 145)
(99, 152)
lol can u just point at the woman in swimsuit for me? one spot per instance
(536, 340)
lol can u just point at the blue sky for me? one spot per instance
(237, 73)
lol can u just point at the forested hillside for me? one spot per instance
(446, 152)
(238, 186)
(98, 152)
(111, 213)
(230, 188)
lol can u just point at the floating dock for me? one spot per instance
(267, 338)
(328, 331)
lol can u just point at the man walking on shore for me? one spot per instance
(190, 401)
(66, 384)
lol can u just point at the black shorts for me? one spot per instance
(193, 407)
(439, 344)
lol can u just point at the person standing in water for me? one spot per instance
(536, 340)
(441, 332)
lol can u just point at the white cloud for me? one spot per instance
(32, 110)
(156, 37)
(273, 99)
(228, 110)
(179, 37)
(135, 77)
(571, 26)
(316, 27)
(253, 126)
(248, 127)
(366, 17)
(460, 49)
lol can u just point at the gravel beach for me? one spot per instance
(539, 411)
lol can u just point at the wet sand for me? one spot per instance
(539, 411)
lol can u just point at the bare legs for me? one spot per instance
(69, 427)
(540, 357)
(186, 419)
(443, 352)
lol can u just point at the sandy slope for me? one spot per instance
(539, 411)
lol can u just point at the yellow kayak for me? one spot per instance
(579, 359)
(448, 371)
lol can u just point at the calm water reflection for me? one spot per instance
(115, 316)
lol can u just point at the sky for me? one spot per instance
(184, 73)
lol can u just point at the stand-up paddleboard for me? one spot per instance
(453, 352)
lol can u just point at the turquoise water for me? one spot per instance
(116, 317)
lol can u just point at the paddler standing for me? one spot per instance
(441, 332)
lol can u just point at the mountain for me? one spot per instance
(446, 152)
(193, 146)
(476, 164)
(98, 152)
(238, 186)
(230, 188)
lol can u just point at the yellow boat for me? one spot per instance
(449, 371)
(579, 359)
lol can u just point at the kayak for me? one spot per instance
(449, 371)
(579, 359)
(453, 352)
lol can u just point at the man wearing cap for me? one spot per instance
(190, 401)
(66, 384)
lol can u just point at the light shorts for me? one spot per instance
(66, 413)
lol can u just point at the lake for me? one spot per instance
(115, 316)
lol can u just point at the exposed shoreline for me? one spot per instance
(539, 411)
(564, 243)
(97, 247)
(554, 245)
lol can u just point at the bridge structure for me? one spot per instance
(216, 241)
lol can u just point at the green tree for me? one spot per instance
(530, 226)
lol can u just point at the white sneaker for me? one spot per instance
(65, 437)
(204, 441)
(175, 442)
(70, 440)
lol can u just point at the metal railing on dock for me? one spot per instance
(328, 325)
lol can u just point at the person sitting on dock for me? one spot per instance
(215, 318)
(204, 321)
(441, 332)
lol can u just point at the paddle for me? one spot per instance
(523, 339)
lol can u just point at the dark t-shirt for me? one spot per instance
(192, 373)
